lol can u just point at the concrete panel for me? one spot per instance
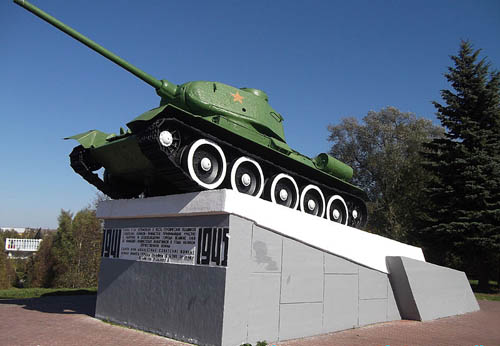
(163, 206)
(263, 316)
(338, 265)
(300, 320)
(372, 311)
(392, 307)
(266, 251)
(341, 302)
(302, 277)
(372, 284)
(182, 302)
(426, 291)
(237, 291)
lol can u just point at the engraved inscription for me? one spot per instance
(180, 245)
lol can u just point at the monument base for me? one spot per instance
(222, 268)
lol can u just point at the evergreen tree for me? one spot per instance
(63, 252)
(462, 217)
(41, 270)
(7, 272)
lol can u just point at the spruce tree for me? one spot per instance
(463, 214)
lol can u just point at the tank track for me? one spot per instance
(82, 163)
(165, 162)
(171, 164)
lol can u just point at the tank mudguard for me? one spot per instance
(91, 139)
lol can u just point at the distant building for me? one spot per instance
(17, 229)
(18, 247)
(40, 232)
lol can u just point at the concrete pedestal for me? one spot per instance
(222, 268)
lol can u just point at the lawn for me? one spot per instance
(494, 293)
(486, 296)
(26, 293)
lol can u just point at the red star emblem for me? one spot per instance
(237, 97)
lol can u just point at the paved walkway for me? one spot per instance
(68, 321)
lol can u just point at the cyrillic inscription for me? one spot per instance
(181, 245)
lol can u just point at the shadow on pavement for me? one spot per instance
(82, 304)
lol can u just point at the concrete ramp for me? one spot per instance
(426, 291)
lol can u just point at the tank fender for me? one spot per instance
(91, 139)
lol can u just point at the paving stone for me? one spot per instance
(68, 321)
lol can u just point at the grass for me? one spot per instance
(493, 294)
(475, 282)
(486, 296)
(27, 293)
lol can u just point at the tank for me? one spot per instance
(209, 135)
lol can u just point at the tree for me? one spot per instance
(87, 236)
(13, 270)
(7, 272)
(76, 250)
(41, 270)
(463, 215)
(384, 153)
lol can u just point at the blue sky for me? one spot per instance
(319, 61)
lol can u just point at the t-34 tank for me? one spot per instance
(208, 135)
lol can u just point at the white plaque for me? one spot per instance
(180, 245)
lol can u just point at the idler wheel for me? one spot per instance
(357, 217)
(206, 163)
(284, 191)
(312, 201)
(169, 140)
(247, 177)
(337, 210)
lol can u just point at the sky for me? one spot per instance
(319, 62)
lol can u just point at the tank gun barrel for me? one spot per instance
(163, 87)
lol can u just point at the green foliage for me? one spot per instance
(41, 268)
(485, 296)
(87, 237)
(76, 250)
(28, 293)
(384, 153)
(63, 251)
(12, 271)
(7, 272)
(69, 258)
(463, 214)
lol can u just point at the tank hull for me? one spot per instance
(137, 163)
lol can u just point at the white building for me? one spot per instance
(16, 246)
(17, 229)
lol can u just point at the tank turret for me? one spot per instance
(207, 135)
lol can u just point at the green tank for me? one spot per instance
(209, 135)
